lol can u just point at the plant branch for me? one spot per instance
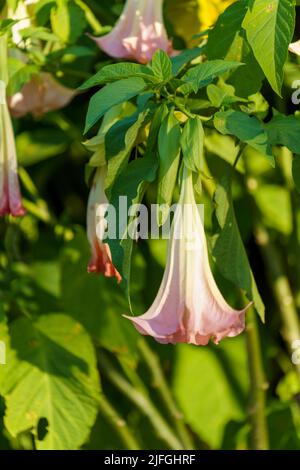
(281, 288)
(160, 384)
(118, 424)
(141, 401)
(258, 384)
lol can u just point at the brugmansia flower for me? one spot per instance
(101, 261)
(138, 33)
(39, 96)
(10, 196)
(189, 307)
(295, 47)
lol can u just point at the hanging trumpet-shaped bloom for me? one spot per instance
(189, 308)
(101, 261)
(39, 96)
(10, 196)
(295, 47)
(138, 33)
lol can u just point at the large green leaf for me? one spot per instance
(270, 26)
(248, 79)
(192, 144)
(228, 248)
(186, 56)
(247, 129)
(203, 74)
(51, 383)
(130, 185)
(169, 153)
(116, 135)
(211, 387)
(284, 130)
(117, 161)
(162, 66)
(111, 95)
(222, 35)
(114, 72)
(226, 40)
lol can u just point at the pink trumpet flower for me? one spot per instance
(138, 33)
(101, 261)
(39, 96)
(189, 308)
(295, 47)
(10, 196)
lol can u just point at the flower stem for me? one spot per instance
(160, 384)
(258, 384)
(281, 288)
(141, 401)
(118, 424)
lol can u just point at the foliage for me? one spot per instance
(222, 107)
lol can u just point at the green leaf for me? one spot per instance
(169, 152)
(111, 95)
(162, 66)
(296, 171)
(192, 144)
(270, 27)
(226, 41)
(203, 74)
(284, 416)
(247, 129)
(220, 97)
(182, 59)
(68, 21)
(116, 135)
(51, 375)
(158, 117)
(114, 72)
(88, 299)
(6, 24)
(211, 386)
(223, 34)
(284, 130)
(40, 33)
(19, 74)
(130, 184)
(228, 248)
(248, 79)
(42, 11)
(118, 161)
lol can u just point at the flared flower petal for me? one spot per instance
(10, 195)
(189, 308)
(101, 261)
(39, 96)
(295, 47)
(138, 33)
